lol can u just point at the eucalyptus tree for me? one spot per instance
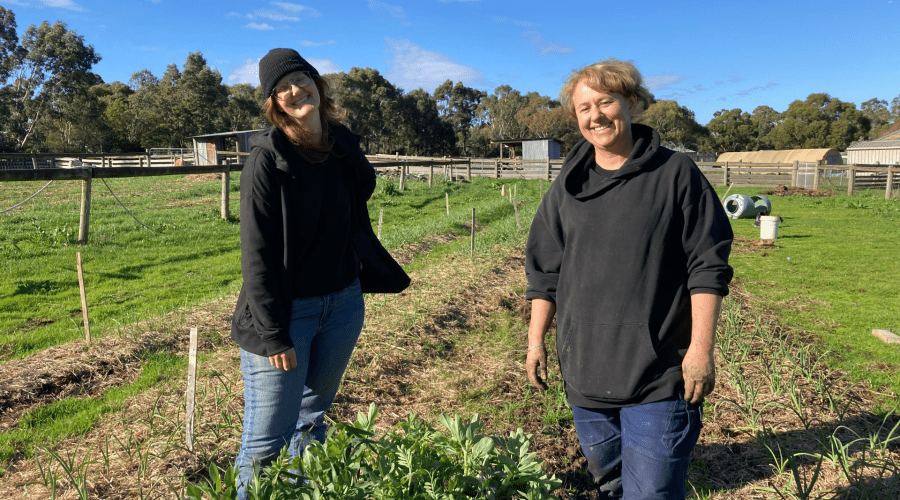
(676, 125)
(49, 63)
(499, 111)
(243, 111)
(879, 115)
(764, 120)
(371, 102)
(821, 121)
(459, 105)
(732, 130)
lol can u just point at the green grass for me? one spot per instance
(833, 272)
(131, 273)
(188, 256)
(47, 425)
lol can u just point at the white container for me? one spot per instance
(768, 227)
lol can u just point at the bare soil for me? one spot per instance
(422, 352)
(782, 190)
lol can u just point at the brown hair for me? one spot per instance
(329, 112)
(611, 76)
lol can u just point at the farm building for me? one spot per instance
(532, 149)
(206, 146)
(828, 156)
(882, 151)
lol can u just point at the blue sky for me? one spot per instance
(707, 55)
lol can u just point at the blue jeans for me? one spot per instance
(287, 408)
(640, 452)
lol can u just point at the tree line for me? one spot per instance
(51, 101)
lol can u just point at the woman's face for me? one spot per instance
(297, 95)
(604, 119)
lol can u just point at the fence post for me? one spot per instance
(85, 221)
(816, 175)
(472, 248)
(496, 169)
(33, 162)
(795, 173)
(725, 178)
(402, 177)
(431, 175)
(226, 183)
(890, 183)
(548, 170)
(469, 170)
(149, 164)
(851, 176)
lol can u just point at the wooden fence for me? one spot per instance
(816, 176)
(850, 177)
(36, 161)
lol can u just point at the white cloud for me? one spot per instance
(656, 83)
(61, 4)
(385, 8)
(300, 9)
(412, 66)
(275, 16)
(257, 26)
(324, 66)
(247, 72)
(307, 43)
(546, 48)
(521, 24)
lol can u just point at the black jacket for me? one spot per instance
(281, 207)
(620, 253)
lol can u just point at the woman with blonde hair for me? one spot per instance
(300, 310)
(629, 250)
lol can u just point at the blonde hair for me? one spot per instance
(611, 76)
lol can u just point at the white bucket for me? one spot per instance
(768, 227)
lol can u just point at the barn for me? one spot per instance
(807, 160)
(206, 146)
(882, 151)
(828, 156)
(532, 149)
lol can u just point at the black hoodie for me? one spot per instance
(295, 232)
(620, 253)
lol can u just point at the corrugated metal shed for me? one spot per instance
(532, 149)
(205, 146)
(830, 156)
(882, 151)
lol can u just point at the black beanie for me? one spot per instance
(276, 64)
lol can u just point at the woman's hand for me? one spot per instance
(536, 367)
(286, 360)
(699, 371)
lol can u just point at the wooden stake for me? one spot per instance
(380, 219)
(516, 207)
(472, 250)
(447, 196)
(191, 391)
(84, 311)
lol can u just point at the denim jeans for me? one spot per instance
(288, 407)
(640, 452)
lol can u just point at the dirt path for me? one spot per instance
(452, 343)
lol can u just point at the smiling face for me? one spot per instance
(604, 120)
(297, 95)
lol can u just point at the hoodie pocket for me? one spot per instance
(607, 362)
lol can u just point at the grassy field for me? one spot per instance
(834, 271)
(803, 407)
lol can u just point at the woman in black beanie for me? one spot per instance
(300, 310)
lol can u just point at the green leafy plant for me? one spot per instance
(412, 461)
